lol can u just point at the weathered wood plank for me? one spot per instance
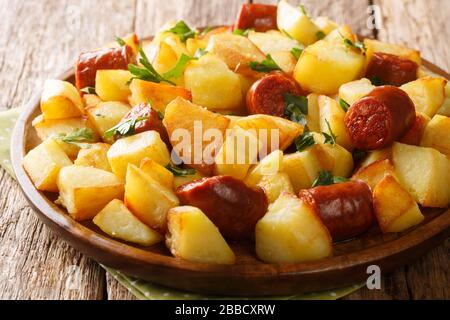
(116, 291)
(35, 264)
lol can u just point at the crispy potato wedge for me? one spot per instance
(395, 209)
(188, 227)
(302, 168)
(157, 172)
(313, 117)
(85, 191)
(291, 232)
(60, 100)
(270, 165)
(106, 115)
(132, 149)
(377, 155)
(275, 185)
(428, 94)
(95, 156)
(118, 222)
(353, 91)
(43, 164)
(423, 172)
(112, 85)
(437, 134)
(375, 172)
(148, 199)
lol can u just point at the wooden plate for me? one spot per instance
(249, 276)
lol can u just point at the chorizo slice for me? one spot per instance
(231, 205)
(380, 118)
(346, 209)
(266, 96)
(389, 69)
(151, 121)
(261, 17)
(103, 59)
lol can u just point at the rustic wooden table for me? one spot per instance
(41, 38)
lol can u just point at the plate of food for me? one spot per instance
(283, 154)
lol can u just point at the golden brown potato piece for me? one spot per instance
(375, 172)
(394, 207)
(291, 232)
(188, 227)
(437, 134)
(43, 164)
(60, 100)
(112, 85)
(84, 191)
(106, 115)
(118, 222)
(94, 156)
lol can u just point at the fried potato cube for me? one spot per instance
(374, 46)
(355, 90)
(60, 100)
(112, 85)
(188, 227)
(91, 100)
(285, 60)
(43, 164)
(238, 152)
(118, 222)
(331, 112)
(325, 24)
(341, 33)
(57, 127)
(266, 126)
(85, 191)
(377, 155)
(212, 84)
(272, 42)
(333, 158)
(302, 168)
(395, 209)
(134, 148)
(437, 134)
(107, 115)
(375, 172)
(148, 199)
(184, 115)
(428, 94)
(192, 45)
(445, 109)
(424, 173)
(159, 94)
(270, 165)
(275, 185)
(296, 23)
(95, 156)
(325, 66)
(236, 51)
(165, 58)
(291, 232)
(157, 172)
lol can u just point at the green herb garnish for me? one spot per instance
(200, 53)
(344, 104)
(178, 172)
(160, 114)
(296, 52)
(267, 65)
(358, 45)
(80, 137)
(146, 72)
(296, 108)
(330, 137)
(120, 41)
(177, 71)
(320, 35)
(242, 32)
(304, 141)
(88, 90)
(124, 129)
(182, 30)
(325, 178)
(303, 10)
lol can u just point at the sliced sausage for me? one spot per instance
(103, 59)
(261, 17)
(231, 205)
(152, 121)
(380, 118)
(391, 70)
(346, 209)
(266, 96)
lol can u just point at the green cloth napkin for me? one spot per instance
(141, 289)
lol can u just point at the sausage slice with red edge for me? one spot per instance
(103, 59)
(150, 121)
(231, 205)
(380, 118)
(346, 209)
(390, 69)
(261, 17)
(266, 96)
